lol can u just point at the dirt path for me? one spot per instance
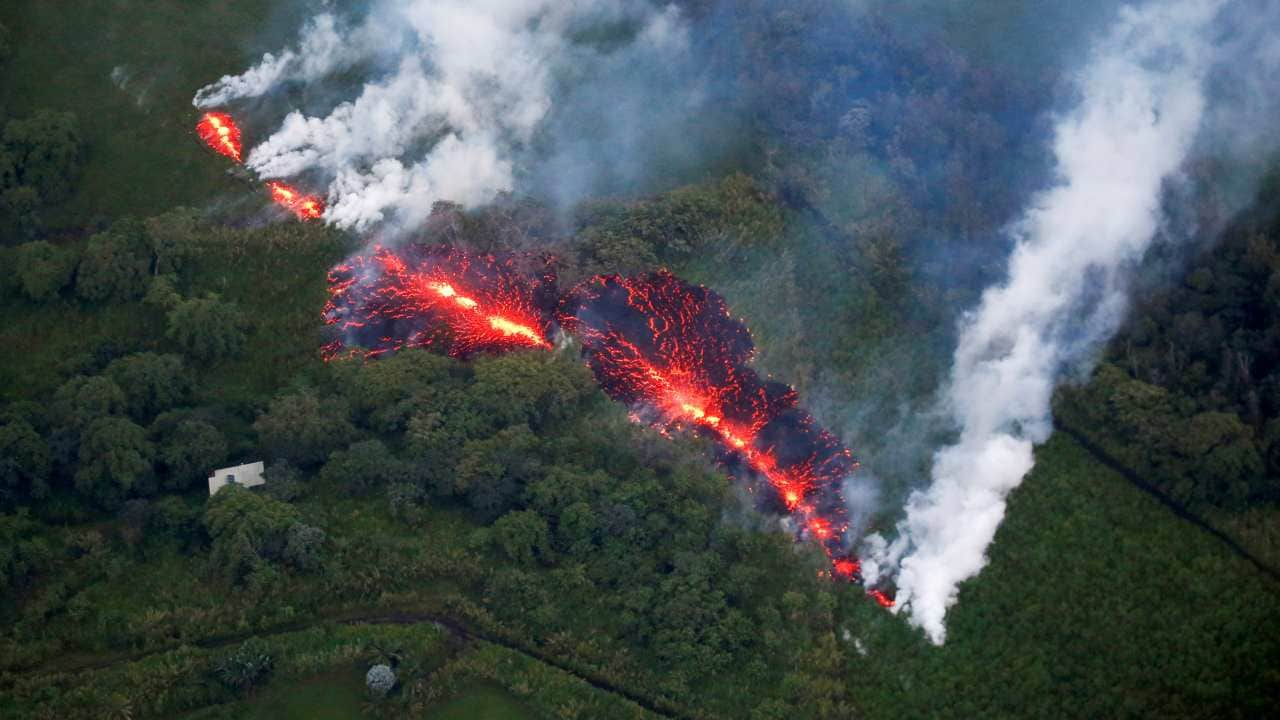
(454, 627)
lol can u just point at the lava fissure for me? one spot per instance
(221, 133)
(672, 352)
(440, 298)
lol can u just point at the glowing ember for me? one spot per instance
(306, 207)
(220, 132)
(880, 597)
(441, 298)
(672, 353)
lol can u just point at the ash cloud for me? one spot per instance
(454, 99)
(1143, 110)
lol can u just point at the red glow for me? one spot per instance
(221, 133)
(880, 597)
(306, 207)
(672, 353)
(436, 297)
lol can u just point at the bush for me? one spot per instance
(46, 152)
(116, 264)
(303, 430)
(361, 467)
(246, 667)
(44, 270)
(207, 328)
(151, 383)
(380, 680)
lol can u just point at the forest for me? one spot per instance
(501, 536)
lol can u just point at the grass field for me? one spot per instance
(482, 703)
(1097, 602)
(333, 696)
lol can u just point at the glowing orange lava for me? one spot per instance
(221, 133)
(305, 207)
(675, 356)
(437, 297)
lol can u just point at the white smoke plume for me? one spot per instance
(1141, 102)
(459, 90)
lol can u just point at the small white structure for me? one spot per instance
(243, 475)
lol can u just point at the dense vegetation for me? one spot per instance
(1190, 391)
(497, 533)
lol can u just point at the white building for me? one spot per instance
(244, 475)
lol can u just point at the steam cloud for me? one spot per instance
(458, 90)
(1141, 101)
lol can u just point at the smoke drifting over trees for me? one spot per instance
(454, 96)
(895, 145)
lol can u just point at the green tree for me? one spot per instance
(385, 394)
(304, 547)
(24, 462)
(175, 518)
(162, 293)
(175, 238)
(1223, 459)
(302, 429)
(23, 554)
(523, 535)
(152, 383)
(533, 388)
(19, 212)
(189, 452)
(44, 269)
(249, 531)
(116, 263)
(207, 328)
(81, 400)
(6, 44)
(576, 529)
(500, 464)
(46, 150)
(115, 457)
(362, 467)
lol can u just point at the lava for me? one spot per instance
(668, 350)
(441, 298)
(221, 133)
(673, 354)
(305, 207)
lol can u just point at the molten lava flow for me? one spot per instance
(220, 132)
(441, 298)
(672, 353)
(306, 207)
(881, 597)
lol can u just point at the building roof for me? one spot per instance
(248, 475)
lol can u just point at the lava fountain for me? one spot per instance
(305, 207)
(220, 132)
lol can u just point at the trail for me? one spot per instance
(453, 626)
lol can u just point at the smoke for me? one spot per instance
(1140, 103)
(454, 98)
